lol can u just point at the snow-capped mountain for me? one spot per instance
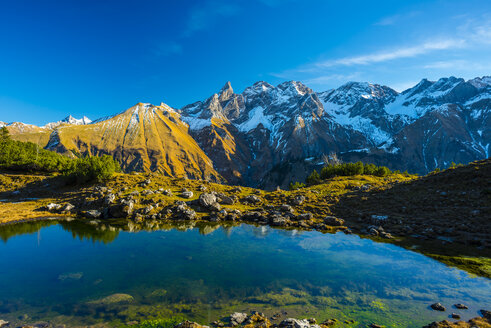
(427, 126)
(271, 135)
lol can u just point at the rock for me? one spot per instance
(296, 323)
(312, 321)
(486, 314)
(183, 212)
(373, 231)
(189, 324)
(379, 219)
(277, 220)
(455, 316)
(202, 188)
(298, 200)
(237, 318)
(207, 199)
(333, 221)
(52, 207)
(167, 192)
(4, 323)
(236, 189)
(373, 325)
(438, 307)
(286, 208)
(113, 299)
(227, 200)
(109, 199)
(251, 199)
(92, 214)
(328, 322)
(122, 210)
(304, 217)
(148, 209)
(71, 276)
(461, 306)
(67, 208)
(187, 194)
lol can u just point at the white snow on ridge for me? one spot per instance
(196, 123)
(256, 117)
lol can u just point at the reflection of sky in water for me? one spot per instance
(214, 263)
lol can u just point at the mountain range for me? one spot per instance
(272, 135)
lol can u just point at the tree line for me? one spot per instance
(29, 157)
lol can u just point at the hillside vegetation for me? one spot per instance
(28, 157)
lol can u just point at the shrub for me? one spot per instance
(313, 178)
(92, 169)
(296, 185)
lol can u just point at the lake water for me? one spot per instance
(59, 272)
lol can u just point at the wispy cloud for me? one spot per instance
(402, 52)
(324, 79)
(394, 19)
(168, 48)
(201, 17)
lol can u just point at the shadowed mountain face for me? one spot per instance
(250, 137)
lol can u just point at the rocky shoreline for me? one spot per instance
(258, 320)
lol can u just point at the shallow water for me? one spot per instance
(54, 271)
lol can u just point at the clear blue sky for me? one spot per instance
(100, 57)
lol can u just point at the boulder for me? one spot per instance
(113, 299)
(187, 194)
(298, 200)
(251, 199)
(4, 323)
(123, 209)
(67, 208)
(52, 207)
(333, 221)
(109, 199)
(207, 199)
(461, 306)
(227, 200)
(92, 214)
(286, 208)
(237, 318)
(278, 220)
(304, 217)
(182, 212)
(438, 307)
(296, 323)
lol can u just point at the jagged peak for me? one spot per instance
(480, 82)
(294, 87)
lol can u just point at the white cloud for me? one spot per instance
(325, 79)
(403, 52)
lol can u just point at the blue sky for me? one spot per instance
(98, 58)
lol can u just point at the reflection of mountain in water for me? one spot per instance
(104, 231)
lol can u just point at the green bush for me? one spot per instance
(91, 169)
(296, 185)
(347, 169)
(27, 156)
(313, 178)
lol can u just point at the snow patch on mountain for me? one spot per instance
(256, 117)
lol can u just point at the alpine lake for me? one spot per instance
(81, 273)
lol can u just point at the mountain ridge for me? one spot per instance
(242, 136)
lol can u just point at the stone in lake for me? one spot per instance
(455, 316)
(70, 276)
(3, 323)
(92, 214)
(461, 306)
(237, 318)
(438, 307)
(113, 299)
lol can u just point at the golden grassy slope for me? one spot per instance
(144, 138)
